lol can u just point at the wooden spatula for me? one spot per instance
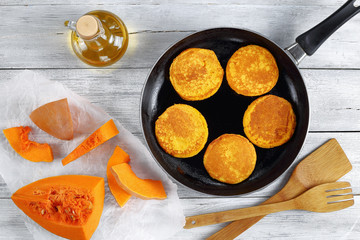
(326, 164)
(327, 197)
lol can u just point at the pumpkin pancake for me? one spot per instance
(196, 74)
(230, 158)
(269, 121)
(252, 71)
(181, 131)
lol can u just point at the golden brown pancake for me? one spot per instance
(269, 121)
(252, 71)
(181, 131)
(230, 158)
(196, 74)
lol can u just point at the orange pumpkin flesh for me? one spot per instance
(141, 188)
(55, 119)
(101, 135)
(120, 195)
(69, 206)
(32, 151)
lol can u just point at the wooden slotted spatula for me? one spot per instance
(327, 197)
(326, 164)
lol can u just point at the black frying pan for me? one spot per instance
(224, 110)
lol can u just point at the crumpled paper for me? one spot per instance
(138, 219)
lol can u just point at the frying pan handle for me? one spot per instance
(311, 40)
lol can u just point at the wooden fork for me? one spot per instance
(326, 197)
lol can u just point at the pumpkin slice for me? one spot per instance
(32, 151)
(55, 119)
(101, 135)
(120, 195)
(69, 206)
(142, 188)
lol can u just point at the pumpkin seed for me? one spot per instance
(90, 205)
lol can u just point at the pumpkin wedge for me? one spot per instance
(120, 195)
(55, 119)
(18, 138)
(142, 188)
(101, 135)
(69, 206)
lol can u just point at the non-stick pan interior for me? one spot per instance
(224, 112)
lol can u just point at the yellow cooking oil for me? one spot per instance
(99, 38)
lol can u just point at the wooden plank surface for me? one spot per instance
(349, 142)
(334, 100)
(283, 225)
(335, 3)
(33, 37)
(41, 40)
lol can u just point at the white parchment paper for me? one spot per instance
(138, 219)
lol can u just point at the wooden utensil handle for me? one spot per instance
(242, 213)
(237, 227)
(290, 190)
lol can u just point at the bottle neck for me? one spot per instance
(90, 28)
(99, 40)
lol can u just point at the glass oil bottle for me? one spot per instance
(99, 38)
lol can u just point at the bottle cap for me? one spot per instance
(87, 27)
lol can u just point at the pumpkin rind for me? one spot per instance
(120, 195)
(52, 210)
(142, 188)
(30, 150)
(55, 119)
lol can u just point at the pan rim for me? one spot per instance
(294, 162)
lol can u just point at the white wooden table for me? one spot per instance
(33, 37)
